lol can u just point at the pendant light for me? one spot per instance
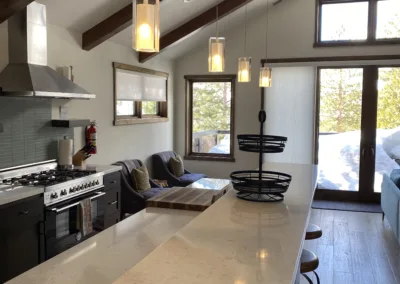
(244, 63)
(216, 52)
(146, 33)
(266, 72)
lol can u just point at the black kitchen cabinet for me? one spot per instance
(112, 187)
(21, 236)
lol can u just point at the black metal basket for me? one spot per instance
(261, 143)
(261, 186)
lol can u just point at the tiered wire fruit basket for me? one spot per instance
(259, 185)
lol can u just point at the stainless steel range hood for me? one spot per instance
(27, 73)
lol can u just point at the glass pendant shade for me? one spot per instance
(265, 77)
(146, 33)
(244, 69)
(216, 54)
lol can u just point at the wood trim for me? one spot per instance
(138, 117)
(201, 21)
(331, 59)
(373, 42)
(189, 80)
(316, 115)
(10, 7)
(135, 120)
(217, 158)
(140, 69)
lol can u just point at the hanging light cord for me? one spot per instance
(266, 37)
(217, 22)
(245, 30)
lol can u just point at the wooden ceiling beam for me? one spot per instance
(9, 7)
(107, 28)
(203, 20)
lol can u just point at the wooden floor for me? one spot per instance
(356, 248)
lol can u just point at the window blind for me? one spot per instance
(135, 86)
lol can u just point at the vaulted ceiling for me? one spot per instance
(81, 16)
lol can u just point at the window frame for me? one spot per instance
(189, 154)
(138, 117)
(371, 29)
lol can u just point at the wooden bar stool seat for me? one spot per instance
(313, 232)
(309, 263)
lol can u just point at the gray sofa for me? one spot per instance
(162, 171)
(390, 201)
(133, 201)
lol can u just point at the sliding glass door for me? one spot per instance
(340, 104)
(387, 150)
(358, 130)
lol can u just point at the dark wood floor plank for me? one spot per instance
(359, 253)
(343, 278)
(356, 248)
(327, 227)
(341, 248)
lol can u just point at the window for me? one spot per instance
(140, 95)
(355, 22)
(210, 107)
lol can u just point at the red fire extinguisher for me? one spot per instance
(91, 137)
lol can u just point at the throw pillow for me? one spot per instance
(140, 178)
(176, 165)
(395, 177)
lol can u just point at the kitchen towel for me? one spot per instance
(84, 222)
(65, 148)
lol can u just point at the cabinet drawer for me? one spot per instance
(112, 181)
(22, 214)
(112, 202)
(111, 221)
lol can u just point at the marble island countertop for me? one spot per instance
(236, 241)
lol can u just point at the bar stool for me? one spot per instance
(313, 232)
(309, 263)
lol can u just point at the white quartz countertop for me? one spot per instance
(106, 169)
(108, 255)
(236, 241)
(10, 193)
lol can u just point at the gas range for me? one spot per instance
(59, 184)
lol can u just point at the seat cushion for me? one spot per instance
(176, 166)
(395, 177)
(140, 177)
(152, 192)
(187, 179)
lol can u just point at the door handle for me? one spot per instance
(372, 150)
(363, 152)
(114, 202)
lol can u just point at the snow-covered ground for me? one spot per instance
(339, 158)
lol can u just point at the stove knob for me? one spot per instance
(54, 195)
(86, 185)
(97, 182)
(76, 188)
(63, 192)
(72, 190)
(81, 187)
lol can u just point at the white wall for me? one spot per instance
(93, 71)
(291, 34)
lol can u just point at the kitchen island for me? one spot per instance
(237, 241)
(234, 241)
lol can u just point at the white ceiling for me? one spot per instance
(81, 15)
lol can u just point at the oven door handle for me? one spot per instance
(57, 210)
